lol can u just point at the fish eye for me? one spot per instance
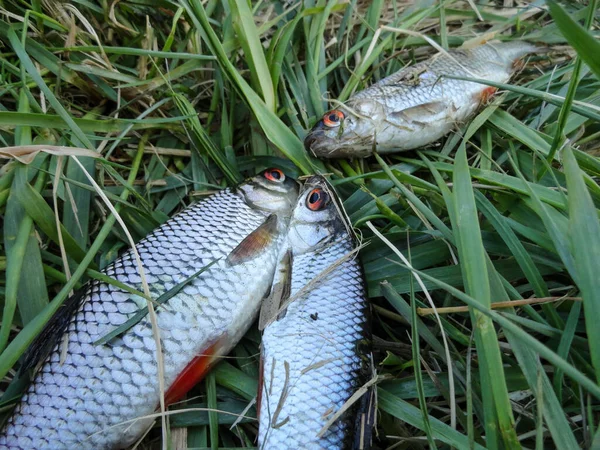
(333, 118)
(317, 199)
(274, 175)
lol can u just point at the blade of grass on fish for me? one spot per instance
(19, 344)
(584, 233)
(473, 264)
(142, 312)
(243, 23)
(274, 128)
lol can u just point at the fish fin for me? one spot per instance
(254, 243)
(52, 333)
(365, 420)
(486, 94)
(193, 372)
(415, 114)
(280, 291)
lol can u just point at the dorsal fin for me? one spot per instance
(280, 291)
(53, 332)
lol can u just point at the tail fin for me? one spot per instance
(512, 50)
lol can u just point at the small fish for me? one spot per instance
(94, 397)
(316, 349)
(417, 105)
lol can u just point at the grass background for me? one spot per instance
(183, 98)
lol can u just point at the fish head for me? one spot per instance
(317, 219)
(348, 131)
(272, 192)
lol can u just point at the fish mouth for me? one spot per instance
(323, 146)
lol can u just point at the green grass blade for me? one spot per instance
(411, 415)
(473, 262)
(274, 128)
(243, 22)
(584, 231)
(32, 70)
(586, 45)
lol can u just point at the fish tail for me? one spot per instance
(513, 50)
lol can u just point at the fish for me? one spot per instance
(100, 395)
(417, 105)
(316, 348)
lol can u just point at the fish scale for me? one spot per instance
(92, 398)
(418, 104)
(314, 357)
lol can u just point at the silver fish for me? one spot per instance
(417, 105)
(93, 398)
(316, 353)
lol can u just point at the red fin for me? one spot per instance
(192, 374)
(487, 93)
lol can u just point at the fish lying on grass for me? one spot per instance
(91, 400)
(417, 105)
(316, 353)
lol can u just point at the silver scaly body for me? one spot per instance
(418, 104)
(93, 398)
(316, 354)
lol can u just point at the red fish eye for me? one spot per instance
(275, 175)
(316, 200)
(333, 118)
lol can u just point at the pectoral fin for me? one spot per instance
(420, 113)
(280, 291)
(255, 242)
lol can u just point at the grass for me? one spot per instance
(182, 98)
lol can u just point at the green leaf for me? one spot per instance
(584, 232)
(586, 45)
(243, 22)
(473, 263)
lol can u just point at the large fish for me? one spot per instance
(93, 398)
(316, 352)
(417, 105)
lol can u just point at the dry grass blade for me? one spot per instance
(27, 153)
(151, 312)
(497, 305)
